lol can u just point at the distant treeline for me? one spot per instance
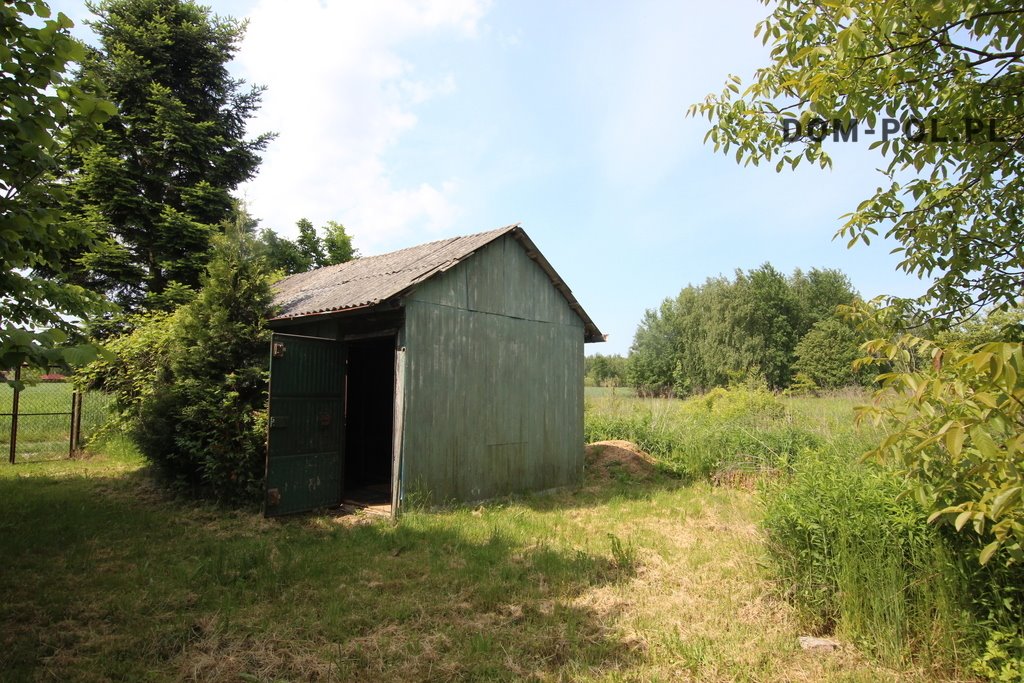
(760, 325)
(601, 370)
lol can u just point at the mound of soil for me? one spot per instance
(607, 459)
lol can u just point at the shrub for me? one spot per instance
(957, 433)
(135, 366)
(190, 386)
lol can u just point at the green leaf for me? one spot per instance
(987, 552)
(955, 439)
(962, 519)
(1007, 497)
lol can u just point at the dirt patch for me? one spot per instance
(615, 459)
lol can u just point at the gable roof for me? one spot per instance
(372, 280)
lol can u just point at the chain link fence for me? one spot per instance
(48, 419)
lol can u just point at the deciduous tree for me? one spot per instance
(337, 244)
(44, 117)
(723, 330)
(952, 205)
(826, 354)
(309, 250)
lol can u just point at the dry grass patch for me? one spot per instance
(617, 459)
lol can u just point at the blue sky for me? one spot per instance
(411, 121)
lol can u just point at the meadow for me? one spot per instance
(637, 575)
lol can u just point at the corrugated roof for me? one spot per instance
(371, 280)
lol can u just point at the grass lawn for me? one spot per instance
(106, 577)
(43, 435)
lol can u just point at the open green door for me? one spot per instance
(305, 443)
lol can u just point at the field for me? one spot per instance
(637, 575)
(605, 392)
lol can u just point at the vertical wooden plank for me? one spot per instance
(493, 393)
(399, 431)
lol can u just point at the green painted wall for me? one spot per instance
(494, 381)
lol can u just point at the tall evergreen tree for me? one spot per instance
(157, 186)
(190, 387)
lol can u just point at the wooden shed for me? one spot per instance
(449, 371)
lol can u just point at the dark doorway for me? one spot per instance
(369, 421)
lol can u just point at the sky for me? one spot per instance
(410, 121)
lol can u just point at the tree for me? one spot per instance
(818, 293)
(603, 370)
(282, 255)
(157, 186)
(43, 119)
(308, 250)
(826, 354)
(309, 244)
(652, 354)
(951, 70)
(337, 244)
(191, 386)
(724, 330)
(767, 319)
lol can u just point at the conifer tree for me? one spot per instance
(203, 423)
(157, 186)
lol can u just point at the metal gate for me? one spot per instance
(40, 422)
(305, 441)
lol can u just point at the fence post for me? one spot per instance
(78, 421)
(72, 442)
(14, 412)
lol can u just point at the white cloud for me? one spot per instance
(340, 97)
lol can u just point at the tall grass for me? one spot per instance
(862, 562)
(721, 432)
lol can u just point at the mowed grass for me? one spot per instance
(44, 424)
(106, 577)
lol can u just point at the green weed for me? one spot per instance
(624, 555)
(860, 561)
